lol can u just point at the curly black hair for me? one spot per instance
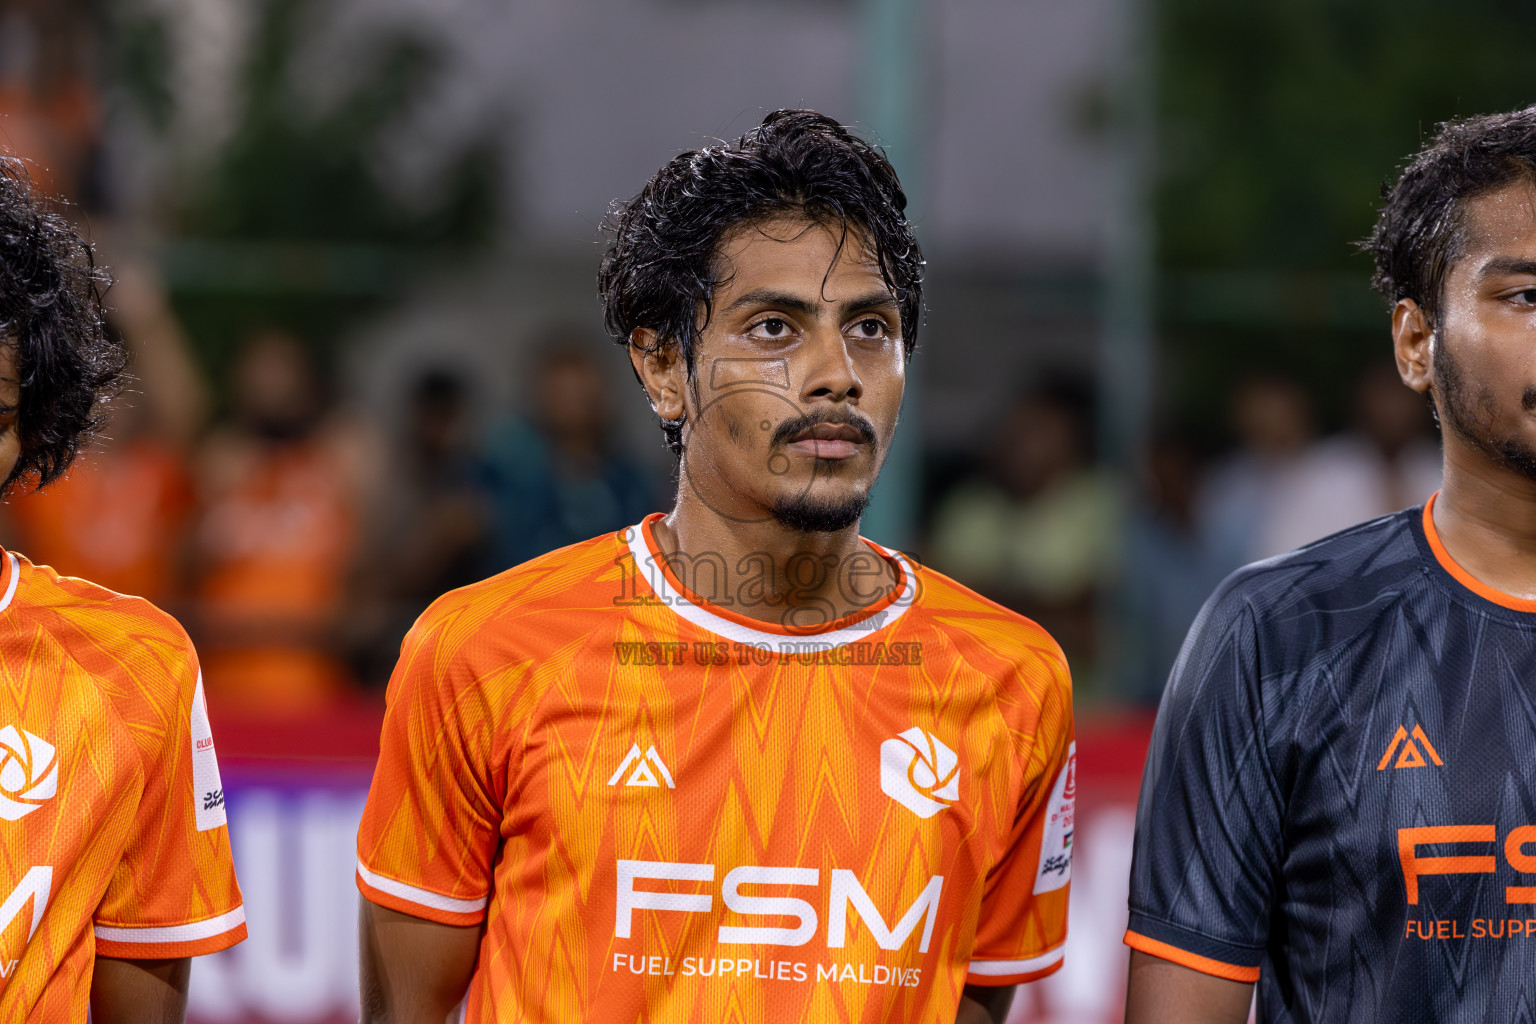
(70, 366)
(1421, 228)
(661, 265)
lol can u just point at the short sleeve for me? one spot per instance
(1022, 930)
(1208, 825)
(173, 892)
(431, 826)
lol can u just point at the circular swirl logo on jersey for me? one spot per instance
(29, 772)
(919, 772)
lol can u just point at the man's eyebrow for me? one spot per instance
(1502, 265)
(769, 297)
(874, 300)
(806, 307)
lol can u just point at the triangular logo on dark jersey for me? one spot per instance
(1412, 755)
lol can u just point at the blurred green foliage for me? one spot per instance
(293, 209)
(1279, 120)
(293, 169)
(140, 62)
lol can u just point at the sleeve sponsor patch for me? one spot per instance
(1055, 869)
(208, 790)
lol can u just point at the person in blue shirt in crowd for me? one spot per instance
(555, 479)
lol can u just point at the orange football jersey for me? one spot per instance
(112, 834)
(663, 810)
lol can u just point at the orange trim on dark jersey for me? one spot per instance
(1463, 577)
(1184, 958)
(760, 624)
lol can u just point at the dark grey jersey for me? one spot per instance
(1340, 798)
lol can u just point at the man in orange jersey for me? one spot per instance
(114, 859)
(734, 763)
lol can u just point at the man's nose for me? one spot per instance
(831, 374)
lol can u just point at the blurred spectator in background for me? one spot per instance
(557, 480)
(430, 533)
(120, 515)
(1388, 462)
(1040, 531)
(283, 487)
(1272, 417)
(119, 518)
(1282, 490)
(1171, 566)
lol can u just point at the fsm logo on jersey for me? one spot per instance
(919, 772)
(845, 895)
(29, 772)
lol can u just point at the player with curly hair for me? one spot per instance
(735, 762)
(114, 856)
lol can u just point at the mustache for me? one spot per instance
(799, 424)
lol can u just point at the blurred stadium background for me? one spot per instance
(355, 243)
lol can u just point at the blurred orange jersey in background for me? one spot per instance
(663, 810)
(112, 827)
(277, 543)
(117, 520)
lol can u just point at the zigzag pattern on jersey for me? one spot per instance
(107, 681)
(773, 765)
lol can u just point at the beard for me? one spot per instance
(805, 514)
(1469, 411)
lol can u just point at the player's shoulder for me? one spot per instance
(538, 602)
(1346, 572)
(131, 647)
(1303, 607)
(980, 631)
(115, 619)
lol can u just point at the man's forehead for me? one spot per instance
(1501, 223)
(791, 239)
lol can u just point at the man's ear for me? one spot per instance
(661, 371)
(1413, 345)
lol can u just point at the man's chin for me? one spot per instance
(1515, 454)
(819, 513)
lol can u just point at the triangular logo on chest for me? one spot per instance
(642, 769)
(1414, 747)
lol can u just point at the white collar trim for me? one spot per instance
(10, 587)
(646, 565)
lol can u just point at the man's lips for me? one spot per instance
(828, 441)
(825, 449)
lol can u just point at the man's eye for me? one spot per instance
(870, 327)
(773, 327)
(1526, 296)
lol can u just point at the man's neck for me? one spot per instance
(1486, 518)
(771, 572)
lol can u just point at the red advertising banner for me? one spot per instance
(295, 793)
(1090, 987)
